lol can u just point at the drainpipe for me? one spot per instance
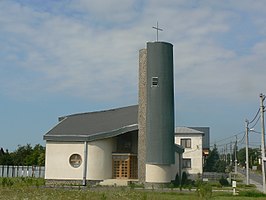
(85, 163)
(180, 166)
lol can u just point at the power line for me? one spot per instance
(223, 144)
(221, 140)
(255, 123)
(242, 140)
(255, 116)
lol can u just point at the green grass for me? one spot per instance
(21, 182)
(30, 188)
(117, 194)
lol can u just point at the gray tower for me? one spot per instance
(160, 103)
(156, 113)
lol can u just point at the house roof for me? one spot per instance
(95, 125)
(186, 130)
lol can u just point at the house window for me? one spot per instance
(186, 163)
(75, 160)
(154, 81)
(186, 143)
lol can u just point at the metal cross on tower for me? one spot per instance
(158, 29)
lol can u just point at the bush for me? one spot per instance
(184, 179)
(223, 181)
(171, 185)
(204, 190)
(176, 182)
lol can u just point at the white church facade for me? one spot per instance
(90, 146)
(104, 146)
(129, 143)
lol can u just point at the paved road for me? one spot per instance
(252, 175)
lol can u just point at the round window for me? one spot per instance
(75, 160)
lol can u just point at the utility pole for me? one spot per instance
(247, 161)
(262, 98)
(226, 154)
(236, 156)
(231, 157)
(222, 153)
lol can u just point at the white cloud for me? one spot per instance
(87, 51)
(73, 58)
(59, 53)
(108, 12)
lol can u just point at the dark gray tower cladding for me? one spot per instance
(160, 104)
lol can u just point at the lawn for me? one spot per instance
(105, 193)
(28, 188)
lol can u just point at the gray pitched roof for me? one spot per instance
(95, 125)
(186, 130)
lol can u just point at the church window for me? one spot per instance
(186, 163)
(154, 82)
(75, 160)
(186, 143)
(124, 143)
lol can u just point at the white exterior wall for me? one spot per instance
(99, 160)
(195, 152)
(158, 173)
(57, 160)
(163, 173)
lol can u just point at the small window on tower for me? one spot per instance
(154, 81)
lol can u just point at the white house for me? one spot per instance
(191, 140)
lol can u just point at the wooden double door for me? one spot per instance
(125, 166)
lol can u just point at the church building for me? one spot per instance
(129, 143)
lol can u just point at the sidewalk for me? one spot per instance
(258, 185)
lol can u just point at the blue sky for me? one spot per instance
(70, 56)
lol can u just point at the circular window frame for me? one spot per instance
(75, 160)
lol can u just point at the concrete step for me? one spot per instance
(115, 182)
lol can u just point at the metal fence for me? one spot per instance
(22, 171)
(214, 176)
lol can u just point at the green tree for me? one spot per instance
(212, 159)
(241, 156)
(220, 166)
(253, 156)
(6, 159)
(213, 162)
(41, 159)
(24, 155)
(38, 155)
